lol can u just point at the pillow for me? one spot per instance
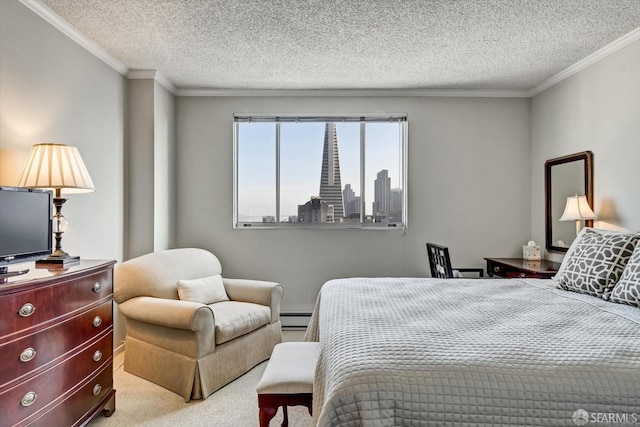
(206, 290)
(627, 290)
(572, 248)
(595, 261)
(569, 253)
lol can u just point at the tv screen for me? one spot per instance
(25, 225)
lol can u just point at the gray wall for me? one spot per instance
(597, 109)
(53, 90)
(469, 181)
(150, 168)
(164, 169)
(139, 185)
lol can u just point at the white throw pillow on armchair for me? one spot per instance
(206, 290)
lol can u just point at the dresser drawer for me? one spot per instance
(80, 404)
(504, 271)
(34, 397)
(29, 309)
(521, 268)
(40, 349)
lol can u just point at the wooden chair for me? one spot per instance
(440, 263)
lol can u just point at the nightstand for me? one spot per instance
(519, 268)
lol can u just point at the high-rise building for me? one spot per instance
(316, 210)
(351, 202)
(382, 194)
(396, 200)
(330, 184)
(395, 210)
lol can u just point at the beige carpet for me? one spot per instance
(143, 403)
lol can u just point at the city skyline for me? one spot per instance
(301, 151)
(328, 207)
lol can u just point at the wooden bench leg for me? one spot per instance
(269, 404)
(266, 414)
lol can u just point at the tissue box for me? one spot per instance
(531, 253)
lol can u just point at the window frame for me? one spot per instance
(363, 119)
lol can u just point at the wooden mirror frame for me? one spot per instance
(587, 157)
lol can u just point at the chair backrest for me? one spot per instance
(156, 274)
(439, 261)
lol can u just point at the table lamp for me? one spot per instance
(577, 209)
(60, 168)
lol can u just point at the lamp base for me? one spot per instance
(57, 261)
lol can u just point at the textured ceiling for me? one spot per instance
(351, 44)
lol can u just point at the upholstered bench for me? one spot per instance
(287, 380)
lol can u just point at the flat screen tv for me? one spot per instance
(25, 227)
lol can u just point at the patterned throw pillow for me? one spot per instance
(627, 290)
(596, 262)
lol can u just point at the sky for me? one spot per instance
(301, 147)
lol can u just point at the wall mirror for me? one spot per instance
(564, 177)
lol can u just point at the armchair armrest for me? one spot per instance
(257, 292)
(169, 313)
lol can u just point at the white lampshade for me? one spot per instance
(576, 209)
(56, 166)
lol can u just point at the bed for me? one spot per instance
(462, 352)
(410, 351)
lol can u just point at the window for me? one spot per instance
(320, 171)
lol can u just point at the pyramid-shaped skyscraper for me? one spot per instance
(330, 184)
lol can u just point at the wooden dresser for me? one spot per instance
(56, 345)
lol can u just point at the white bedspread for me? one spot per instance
(417, 352)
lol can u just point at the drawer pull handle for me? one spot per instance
(27, 355)
(97, 321)
(27, 310)
(97, 287)
(97, 355)
(97, 389)
(29, 399)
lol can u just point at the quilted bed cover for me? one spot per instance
(469, 352)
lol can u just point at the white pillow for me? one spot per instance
(206, 290)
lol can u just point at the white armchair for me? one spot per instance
(193, 348)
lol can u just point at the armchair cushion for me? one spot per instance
(234, 319)
(207, 290)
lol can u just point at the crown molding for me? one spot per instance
(353, 93)
(166, 83)
(54, 19)
(141, 74)
(594, 58)
(154, 75)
